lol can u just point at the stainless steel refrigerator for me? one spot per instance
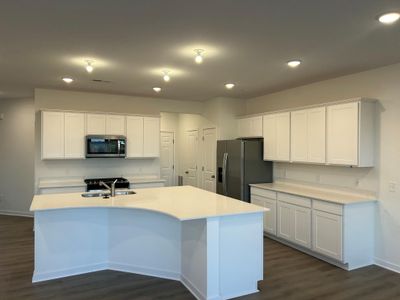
(239, 163)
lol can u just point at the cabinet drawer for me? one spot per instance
(295, 200)
(328, 207)
(263, 193)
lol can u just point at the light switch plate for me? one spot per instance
(1, 116)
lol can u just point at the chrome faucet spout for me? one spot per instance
(110, 188)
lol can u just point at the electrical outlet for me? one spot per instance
(392, 187)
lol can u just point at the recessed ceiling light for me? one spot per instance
(294, 63)
(166, 76)
(199, 56)
(157, 89)
(389, 18)
(89, 66)
(67, 79)
(229, 86)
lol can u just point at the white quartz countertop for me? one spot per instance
(183, 202)
(323, 193)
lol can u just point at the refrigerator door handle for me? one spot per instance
(224, 164)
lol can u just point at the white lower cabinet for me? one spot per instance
(342, 234)
(294, 223)
(327, 234)
(266, 199)
(302, 226)
(269, 216)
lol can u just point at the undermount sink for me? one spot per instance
(107, 194)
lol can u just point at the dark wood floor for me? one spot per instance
(289, 274)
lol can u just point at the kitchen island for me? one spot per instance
(213, 244)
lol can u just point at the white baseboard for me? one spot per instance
(16, 213)
(387, 265)
(192, 288)
(37, 277)
(143, 271)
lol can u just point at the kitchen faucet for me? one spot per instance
(111, 189)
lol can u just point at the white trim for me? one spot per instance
(387, 265)
(192, 288)
(243, 293)
(37, 277)
(144, 271)
(174, 181)
(16, 213)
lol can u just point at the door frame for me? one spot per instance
(173, 154)
(203, 158)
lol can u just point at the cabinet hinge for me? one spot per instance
(173, 167)
(173, 141)
(202, 168)
(202, 138)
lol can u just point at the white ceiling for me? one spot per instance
(247, 42)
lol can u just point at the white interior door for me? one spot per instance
(209, 159)
(190, 157)
(167, 158)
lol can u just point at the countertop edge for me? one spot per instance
(153, 210)
(309, 195)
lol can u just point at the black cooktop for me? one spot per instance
(94, 183)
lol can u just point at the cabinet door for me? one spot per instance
(270, 216)
(327, 234)
(269, 134)
(115, 125)
(342, 134)
(298, 137)
(316, 135)
(52, 135)
(95, 124)
(151, 138)
(284, 220)
(302, 226)
(134, 136)
(256, 127)
(283, 136)
(74, 135)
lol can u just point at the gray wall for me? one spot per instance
(382, 84)
(16, 155)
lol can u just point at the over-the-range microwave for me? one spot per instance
(105, 146)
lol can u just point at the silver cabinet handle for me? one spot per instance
(224, 164)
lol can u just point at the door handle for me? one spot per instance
(186, 172)
(224, 164)
(212, 176)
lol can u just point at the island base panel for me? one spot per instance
(215, 258)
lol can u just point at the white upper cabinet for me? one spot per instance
(308, 135)
(143, 136)
(316, 133)
(250, 127)
(115, 125)
(134, 136)
(351, 134)
(276, 133)
(95, 124)
(74, 135)
(105, 124)
(52, 135)
(151, 137)
(298, 137)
